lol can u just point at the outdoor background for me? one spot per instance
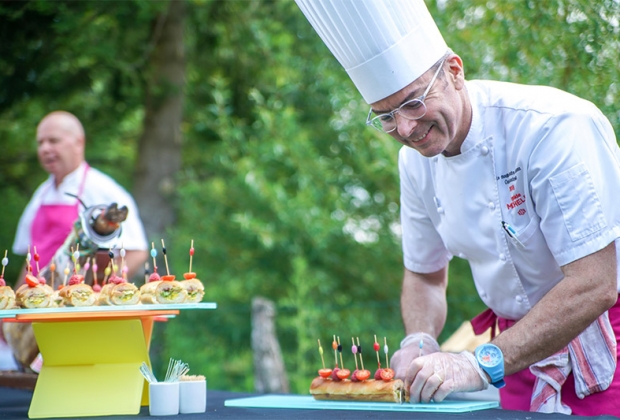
(233, 125)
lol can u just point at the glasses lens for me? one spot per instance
(413, 110)
(384, 122)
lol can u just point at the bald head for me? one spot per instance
(60, 144)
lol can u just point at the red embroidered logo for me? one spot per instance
(521, 212)
(511, 188)
(515, 201)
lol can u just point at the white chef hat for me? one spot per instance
(384, 45)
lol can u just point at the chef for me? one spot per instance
(518, 180)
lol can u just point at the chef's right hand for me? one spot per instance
(409, 350)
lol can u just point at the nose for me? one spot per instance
(405, 127)
(43, 147)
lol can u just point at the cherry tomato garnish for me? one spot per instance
(32, 281)
(362, 375)
(343, 373)
(189, 276)
(169, 277)
(387, 374)
(325, 373)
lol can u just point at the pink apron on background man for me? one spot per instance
(52, 224)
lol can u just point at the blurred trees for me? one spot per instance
(284, 191)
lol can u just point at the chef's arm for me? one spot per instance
(588, 289)
(423, 308)
(423, 301)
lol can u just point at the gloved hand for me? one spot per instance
(439, 374)
(409, 350)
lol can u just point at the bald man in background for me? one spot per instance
(48, 218)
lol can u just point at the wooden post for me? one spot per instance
(269, 371)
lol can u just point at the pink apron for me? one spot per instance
(517, 393)
(51, 226)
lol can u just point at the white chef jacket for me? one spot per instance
(539, 159)
(99, 188)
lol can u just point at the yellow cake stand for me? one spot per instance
(91, 357)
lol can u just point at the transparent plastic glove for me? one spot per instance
(439, 374)
(409, 350)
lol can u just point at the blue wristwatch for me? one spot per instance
(491, 360)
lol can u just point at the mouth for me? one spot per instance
(423, 136)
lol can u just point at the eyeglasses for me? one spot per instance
(413, 109)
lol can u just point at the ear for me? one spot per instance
(455, 71)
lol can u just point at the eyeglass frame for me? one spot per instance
(393, 113)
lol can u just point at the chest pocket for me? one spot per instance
(580, 221)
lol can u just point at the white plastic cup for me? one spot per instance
(164, 398)
(192, 396)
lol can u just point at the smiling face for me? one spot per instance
(60, 144)
(448, 116)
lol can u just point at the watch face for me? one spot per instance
(489, 356)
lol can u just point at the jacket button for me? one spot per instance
(484, 150)
(491, 205)
(440, 210)
(502, 257)
(519, 298)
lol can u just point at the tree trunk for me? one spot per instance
(159, 148)
(269, 372)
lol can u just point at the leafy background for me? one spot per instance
(283, 189)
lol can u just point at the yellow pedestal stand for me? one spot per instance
(90, 368)
(91, 359)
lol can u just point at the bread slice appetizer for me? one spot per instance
(77, 293)
(7, 295)
(194, 288)
(166, 290)
(33, 294)
(369, 390)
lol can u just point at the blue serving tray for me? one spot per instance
(308, 402)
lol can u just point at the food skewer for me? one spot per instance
(385, 350)
(335, 347)
(76, 258)
(36, 259)
(376, 347)
(359, 349)
(163, 250)
(86, 266)
(342, 373)
(106, 273)
(325, 372)
(52, 271)
(28, 258)
(67, 271)
(153, 255)
(124, 268)
(190, 275)
(113, 267)
(191, 255)
(354, 351)
(5, 262)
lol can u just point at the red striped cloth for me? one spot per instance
(591, 356)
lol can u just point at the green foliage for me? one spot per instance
(284, 191)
